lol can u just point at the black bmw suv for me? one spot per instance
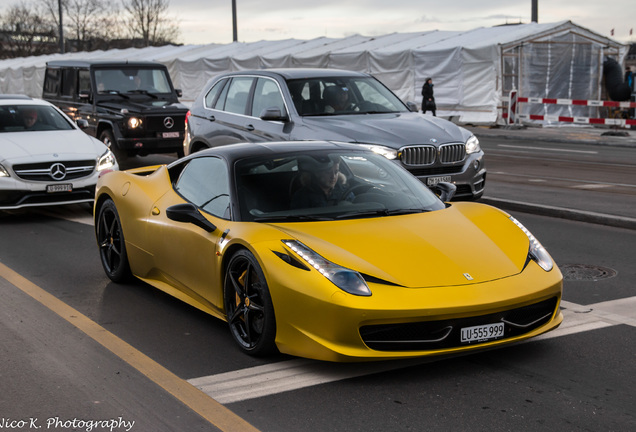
(131, 106)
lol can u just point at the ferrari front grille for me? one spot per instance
(431, 335)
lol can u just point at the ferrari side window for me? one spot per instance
(204, 182)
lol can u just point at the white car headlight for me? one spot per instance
(4, 172)
(472, 145)
(106, 161)
(387, 152)
(536, 252)
(349, 281)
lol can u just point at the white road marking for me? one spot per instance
(295, 374)
(547, 149)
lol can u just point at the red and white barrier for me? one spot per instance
(512, 116)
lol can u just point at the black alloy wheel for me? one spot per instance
(248, 305)
(110, 239)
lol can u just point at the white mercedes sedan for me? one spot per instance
(46, 158)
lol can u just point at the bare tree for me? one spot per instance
(24, 32)
(149, 20)
(89, 24)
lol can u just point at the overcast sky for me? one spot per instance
(210, 21)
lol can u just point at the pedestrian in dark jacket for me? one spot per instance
(428, 99)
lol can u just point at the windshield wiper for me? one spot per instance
(380, 212)
(291, 218)
(146, 92)
(114, 92)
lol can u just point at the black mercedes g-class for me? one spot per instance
(130, 106)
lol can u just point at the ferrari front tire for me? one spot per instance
(112, 247)
(248, 305)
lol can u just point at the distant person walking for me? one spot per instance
(428, 99)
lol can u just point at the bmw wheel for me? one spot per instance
(112, 247)
(248, 305)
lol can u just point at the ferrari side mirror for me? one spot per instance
(445, 190)
(188, 213)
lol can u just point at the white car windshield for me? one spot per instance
(342, 95)
(327, 185)
(27, 118)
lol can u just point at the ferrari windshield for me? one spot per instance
(328, 185)
(342, 95)
(26, 118)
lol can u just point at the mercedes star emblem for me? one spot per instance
(168, 122)
(57, 171)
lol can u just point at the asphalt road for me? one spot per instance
(77, 347)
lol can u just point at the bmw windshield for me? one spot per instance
(328, 185)
(327, 96)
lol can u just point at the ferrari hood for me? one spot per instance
(463, 244)
(32, 146)
(393, 130)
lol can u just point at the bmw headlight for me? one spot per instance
(349, 281)
(4, 172)
(387, 152)
(106, 161)
(536, 252)
(134, 122)
(472, 145)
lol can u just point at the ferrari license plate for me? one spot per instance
(170, 135)
(66, 187)
(482, 333)
(432, 181)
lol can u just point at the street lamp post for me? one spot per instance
(59, 4)
(234, 29)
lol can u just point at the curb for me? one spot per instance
(563, 213)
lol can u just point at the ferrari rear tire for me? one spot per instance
(248, 305)
(112, 247)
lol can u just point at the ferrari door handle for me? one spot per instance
(250, 127)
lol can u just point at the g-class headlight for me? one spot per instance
(536, 251)
(106, 161)
(134, 122)
(349, 281)
(472, 145)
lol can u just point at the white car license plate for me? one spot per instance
(65, 187)
(482, 333)
(432, 181)
(170, 134)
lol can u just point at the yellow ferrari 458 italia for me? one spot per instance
(327, 251)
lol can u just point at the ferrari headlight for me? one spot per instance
(472, 145)
(536, 252)
(387, 152)
(106, 161)
(4, 172)
(134, 122)
(347, 280)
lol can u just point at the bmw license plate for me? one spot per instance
(432, 181)
(65, 187)
(482, 333)
(170, 135)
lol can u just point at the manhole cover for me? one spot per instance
(586, 272)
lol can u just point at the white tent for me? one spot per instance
(473, 71)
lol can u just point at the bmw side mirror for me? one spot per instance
(188, 213)
(412, 107)
(273, 114)
(445, 190)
